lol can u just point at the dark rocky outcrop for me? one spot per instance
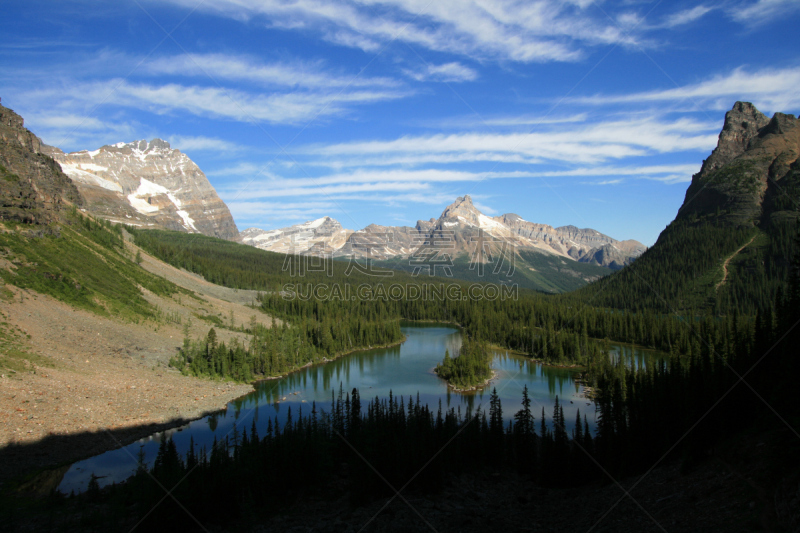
(33, 189)
(753, 166)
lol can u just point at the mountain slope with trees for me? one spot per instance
(747, 190)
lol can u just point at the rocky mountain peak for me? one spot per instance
(12, 130)
(142, 147)
(315, 237)
(512, 217)
(10, 119)
(741, 182)
(148, 184)
(742, 124)
(463, 213)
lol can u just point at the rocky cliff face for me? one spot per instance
(751, 171)
(583, 245)
(33, 189)
(148, 184)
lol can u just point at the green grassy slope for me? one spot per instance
(81, 262)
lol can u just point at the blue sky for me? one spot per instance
(591, 113)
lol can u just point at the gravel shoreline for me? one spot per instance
(93, 378)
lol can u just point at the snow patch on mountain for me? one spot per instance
(80, 173)
(489, 224)
(140, 200)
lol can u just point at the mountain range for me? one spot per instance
(454, 232)
(509, 248)
(731, 240)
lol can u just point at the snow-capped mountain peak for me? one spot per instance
(149, 184)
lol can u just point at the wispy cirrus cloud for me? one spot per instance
(516, 30)
(203, 144)
(72, 131)
(414, 182)
(604, 182)
(761, 11)
(236, 67)
(295, 188)
(768, 88)
(590, 143)
(216, 102)
(90, 100)
(283, 211)
(687, 16)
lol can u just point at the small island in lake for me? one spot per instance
(469, 369)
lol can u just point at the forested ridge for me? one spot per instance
(681, 272)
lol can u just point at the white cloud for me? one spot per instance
(240, 169)
(604, 182)
(533, 120)
(763, 10)
(448, 72)
(287, 108)
(310, 188)
(71, 132)
(672, 178)
(283, 211)
(648, 172)
(686, 16)
(485, 208)
(245, 68)
(67, 121)
(523, 120)
(408, 185)
(769, 89)
(516, 30)
(588, 144)
(202, 144)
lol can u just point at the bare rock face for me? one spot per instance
(583, 245)
(382, 242)
(33, 189)
(741, 126)
(148, 184)
(322, 236)
(750, 173)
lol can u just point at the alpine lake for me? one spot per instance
(404, 370)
